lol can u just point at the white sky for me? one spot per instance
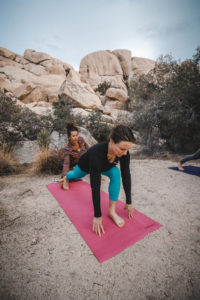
(71, 29)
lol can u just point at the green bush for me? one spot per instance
(103, 87)
(62, 114)
(9, 116)
(9, 111)
(30, 124)
(18, 123)
(99, 130)
(166, 104)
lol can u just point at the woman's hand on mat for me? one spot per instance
(98, 226)
(130, 209)
(64, 183)
(61, 182)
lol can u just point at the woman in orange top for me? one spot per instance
(73, 150)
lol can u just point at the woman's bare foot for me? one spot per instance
(116, 219)
(180, 167)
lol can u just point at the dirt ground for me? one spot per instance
(42, 256)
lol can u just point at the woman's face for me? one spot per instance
(74, 137)
(121, 148)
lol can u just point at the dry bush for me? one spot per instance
(43, 139)
(49, 161)
(8, 164)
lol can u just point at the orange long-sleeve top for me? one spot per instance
(71, 156)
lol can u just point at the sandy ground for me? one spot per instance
(42, 256)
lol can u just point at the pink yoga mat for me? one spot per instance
(78, 206)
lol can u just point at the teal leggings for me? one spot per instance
(115, 179)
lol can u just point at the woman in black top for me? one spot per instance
(102, 159)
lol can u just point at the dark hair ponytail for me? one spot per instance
(122, 133)
(71, 127)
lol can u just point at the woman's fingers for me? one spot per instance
(99, 230)
(130, 209)
(98, 227)
(61, 184)
(102, 229)
(130, 213)
(95, 228)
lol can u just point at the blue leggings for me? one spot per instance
(193, 156)
(115, 179)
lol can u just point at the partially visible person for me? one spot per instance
(193, 156)
(73, 150)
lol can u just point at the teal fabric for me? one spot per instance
(115, 179)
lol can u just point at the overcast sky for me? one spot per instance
(71, 29)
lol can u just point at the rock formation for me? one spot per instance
(124, 57)
(31, 78)
(36, 79)
(78, 95)
(141, 65)
(102, 66)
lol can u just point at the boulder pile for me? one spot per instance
(37, 80)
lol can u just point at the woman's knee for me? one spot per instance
(76, 173)
(70, 175)
(115, 182)
(115, 177)
(196, 155)
(115, 173)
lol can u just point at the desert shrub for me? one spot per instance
(9, 135)
(166, 104)
(103, 87)
(62, 114)
(99, 130)
(30, 124)
(17, 124)
(43, 139)
(9, 111)
(80, 120)
(9, 116)
(48, 161)
(8, 164)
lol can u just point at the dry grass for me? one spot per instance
(8, 164)
(48, 161)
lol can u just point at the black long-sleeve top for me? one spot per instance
(95, 161)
